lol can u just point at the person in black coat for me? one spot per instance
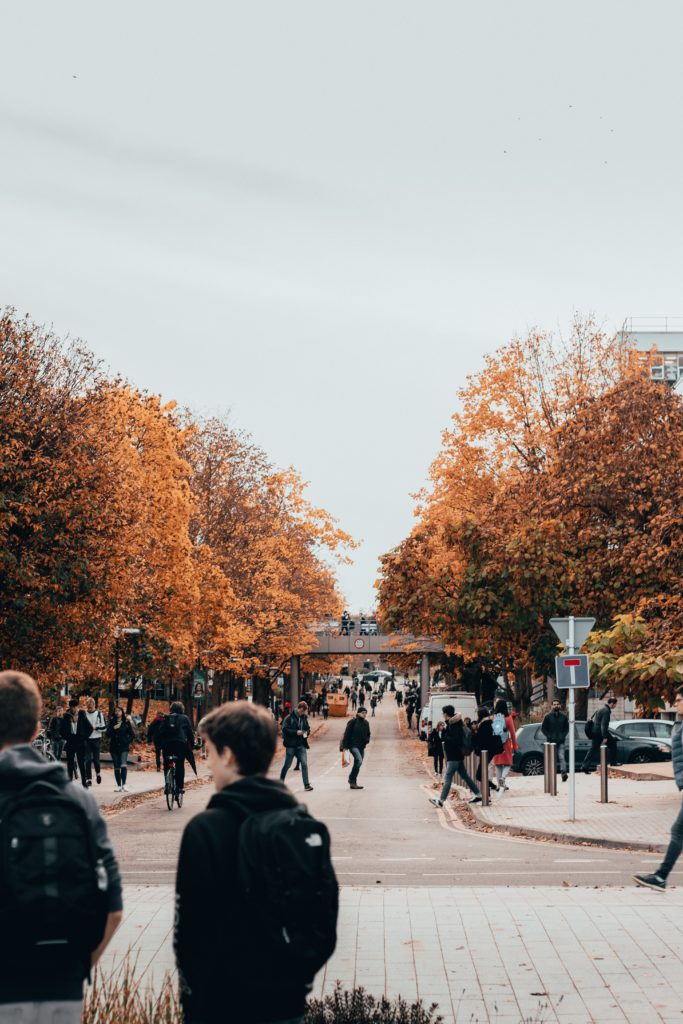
(295, 733)
(435, 746)
(555, 728)
(355, 739)
(121, 734)
(75, 730)
(484, 739)
(601, 734)
(177, 738)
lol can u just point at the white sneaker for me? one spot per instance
(500, 794)
(117, 789)
(436, 801)
(124, 789)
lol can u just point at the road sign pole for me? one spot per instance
(572, 719)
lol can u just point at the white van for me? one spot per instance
(464, 703)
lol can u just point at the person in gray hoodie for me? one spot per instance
(657, 881)
(42, 975)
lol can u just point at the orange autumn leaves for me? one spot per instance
(117, 510)
(556, 491)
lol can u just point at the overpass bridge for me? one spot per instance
(329, 643)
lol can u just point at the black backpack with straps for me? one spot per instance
(53, 888)
(286, 871)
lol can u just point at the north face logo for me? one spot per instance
(47, 820)
(314, 840)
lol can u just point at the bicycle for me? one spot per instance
(43, 745)
(171, 791)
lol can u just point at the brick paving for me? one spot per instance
(541, 955)
(638, 812)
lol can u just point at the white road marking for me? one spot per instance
(581, 860)
(513, 870)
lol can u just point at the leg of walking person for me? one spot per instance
(592, 758)
(302, 754)
(95, 754)
(70, 761)
(124, 767)
(451, 768)
(80, 758)
(87, 762)
(116, 761)
(464, 775)
(673, 852)
(357, 756)
(562, 760)
(157, 752)
(180, 773)
(287, 764)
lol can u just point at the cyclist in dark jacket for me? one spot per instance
(555, 728)
(177, 738)
(355, 740)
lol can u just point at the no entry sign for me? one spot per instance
(572, 672)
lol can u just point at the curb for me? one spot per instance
(563, 837)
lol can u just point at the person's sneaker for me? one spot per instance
(88, 782)
(99, 780)
(501, 793)
(475, 800)
(564, 776)
(651, 881)
(117, 789)
(436, 801)
(309, 789)
(354, 785)
(124, 789)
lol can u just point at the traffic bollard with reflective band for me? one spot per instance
(552, 769)
(485, 793)
(604, 751)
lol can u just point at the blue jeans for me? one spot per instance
(674, 848)
(357, 756)
(302, 754)
(453, 768)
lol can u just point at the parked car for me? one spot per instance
(634, 728)
(377, 675)
(630, 749)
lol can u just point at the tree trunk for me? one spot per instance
(145, 707)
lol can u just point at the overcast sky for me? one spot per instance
(320, 216)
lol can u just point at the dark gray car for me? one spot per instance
(629, 749)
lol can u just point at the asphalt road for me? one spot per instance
(387, 833)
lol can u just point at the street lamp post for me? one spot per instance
(128, 631)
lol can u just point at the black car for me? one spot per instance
(629, 749)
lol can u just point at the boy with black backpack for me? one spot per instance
(60, 890)
(255, 885)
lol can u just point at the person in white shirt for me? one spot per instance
(94, 741)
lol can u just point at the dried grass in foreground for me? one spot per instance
(118, 998)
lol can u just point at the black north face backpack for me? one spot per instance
(53, 889)
(285, 868)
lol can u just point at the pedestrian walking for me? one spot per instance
(555, 728)
(121, 734)
(54, 732)
(255, 885)
(484, 739)
(176, 737)
(399, 698)
(153, 736)
(326, 710)
(435, 746)
(355, 739)
(410, 711)
(657, 880)
(295, 733)
(457, 743)
(503, 726)
(373, 705)
(597, 731)
(354, 699)
(75, 731)
(94, 741)
(61, 893)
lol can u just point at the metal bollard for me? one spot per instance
(546, 769)
(471, 765)
(485, 795)
(552, 769)
(604, 751)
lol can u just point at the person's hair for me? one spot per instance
(362, 710)
(448, 709)
(501, 707)
(679, 691)
(611, 700)
(117, 707)
(177, 708)
(247, 729)
(483, 712)
(302, 704)
(20, 708)
(74, 702)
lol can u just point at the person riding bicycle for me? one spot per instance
(176, 738)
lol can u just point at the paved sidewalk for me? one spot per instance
(551, 956)
(639, 813)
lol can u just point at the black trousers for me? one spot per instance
(75, 755)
